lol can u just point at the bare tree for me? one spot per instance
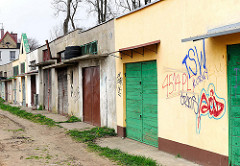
(129, 5)
(56, 32)
(33, 43)
(70, 8)
(102, 8)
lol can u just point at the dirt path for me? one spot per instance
(24, 143)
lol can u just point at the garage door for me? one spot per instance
(141, 102)
(234, 103)
(62, 92)
(47, 90)
(91, 95)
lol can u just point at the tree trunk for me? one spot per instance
(65, 23)
(105, 10)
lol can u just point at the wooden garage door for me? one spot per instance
(91, 95)
(141, 102)
(234, 103)
(62, 92)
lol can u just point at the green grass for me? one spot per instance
(37, 118)
(17, 130)
(72, 119)
(121, 157)
(91, 135)
(40, 107)
(34, 157)
(116, 155)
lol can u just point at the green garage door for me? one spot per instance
(234, 103)
(141, 104)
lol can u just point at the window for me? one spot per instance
(0, 56)
(5, 74)
(1, 73)
(22, 49)
(33, 63)
(15, 70)
(89, 48)
(12, 55)
(23, 67)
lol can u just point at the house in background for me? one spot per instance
(19, 72)
(9, 50)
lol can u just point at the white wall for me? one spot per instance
(5, 55)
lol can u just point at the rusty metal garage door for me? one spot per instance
(62, 92)
(47, 90)
(91, 95)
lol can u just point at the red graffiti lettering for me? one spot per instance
(211, 105)
(175, 82)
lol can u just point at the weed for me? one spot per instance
(121, 157)
(48, 156)
(114, 154)
(38, 118)
(40, 107)
(34, 157)
(17, 130)
(71, 119)
(178, 156)
(90, 135)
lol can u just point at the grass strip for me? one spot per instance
(116, 155)
(37, 118)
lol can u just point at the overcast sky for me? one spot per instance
(36, 18)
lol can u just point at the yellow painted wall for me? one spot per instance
(21, 59)
(170, 21)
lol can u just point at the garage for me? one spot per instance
(141, 102)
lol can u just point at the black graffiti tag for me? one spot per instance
(119, 84)
(189, 101)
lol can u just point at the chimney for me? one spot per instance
(2, 33)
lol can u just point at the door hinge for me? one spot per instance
(125, 74)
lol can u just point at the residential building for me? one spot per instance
(9, 47)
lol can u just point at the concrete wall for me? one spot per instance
(31, 57)
(171, 21)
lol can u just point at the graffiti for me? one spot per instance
(200, 78)
(210, 105)
(191, 58)
(75, 93)
(119, 84)
(175, 82)
(190, 101)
